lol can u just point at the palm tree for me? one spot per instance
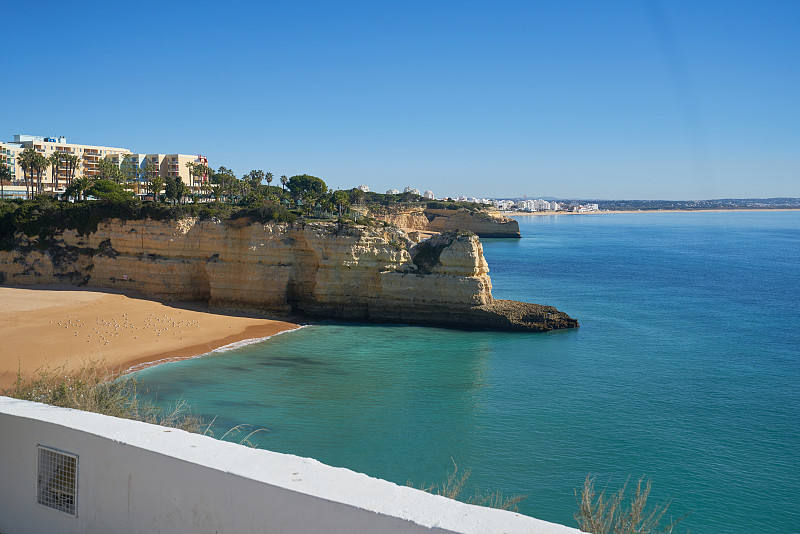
(151, 172)
(82, 184)
(253, 180)
(5, 175)
(109, 170)
(40, 164)
(73, 162)
(190, 166)
(341, 200)
(155, 185)
(23, 162)
(26, 161)
(55, 166)
(268, 177)
(284, 179)
(130, 170)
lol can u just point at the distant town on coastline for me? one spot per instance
(28, 158)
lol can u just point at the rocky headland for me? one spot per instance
(481, 223)
(319, 270)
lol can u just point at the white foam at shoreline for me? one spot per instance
(224, 348)
(245, 342)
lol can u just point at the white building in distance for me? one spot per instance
(412, 190)
(364, 188)
(504, 205)
(393, 192)
(428, 194)
(584, 208)
(537, 205)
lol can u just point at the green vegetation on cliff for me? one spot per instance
(456, 205)
(45, 217)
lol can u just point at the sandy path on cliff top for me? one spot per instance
(52, 326)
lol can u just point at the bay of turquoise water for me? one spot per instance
(686, 369)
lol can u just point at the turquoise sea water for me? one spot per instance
(686, 369)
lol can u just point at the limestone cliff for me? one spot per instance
(316, 269)
(483, 224)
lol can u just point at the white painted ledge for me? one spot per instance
(135, 477)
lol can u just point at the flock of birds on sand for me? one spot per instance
(107, 330)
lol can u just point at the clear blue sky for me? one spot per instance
(679, 99)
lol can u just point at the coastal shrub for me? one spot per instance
(265, 213)
(453, 486)
(99, 388)
(7, 227)
(109, 190)
(442, 206)
(614, 514)
(397, 244)
(425, 255)
(454, 205)
(46, 217)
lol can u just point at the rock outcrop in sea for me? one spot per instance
(320, 270)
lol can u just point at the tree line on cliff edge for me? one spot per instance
(89, 200)
(123, 181)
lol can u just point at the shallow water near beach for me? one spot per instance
(686, 369)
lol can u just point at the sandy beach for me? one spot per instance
(52, 326)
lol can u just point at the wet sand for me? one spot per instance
(51, 326)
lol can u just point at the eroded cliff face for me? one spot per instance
(316, 269)
(437, 220)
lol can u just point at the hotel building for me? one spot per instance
(164, 165)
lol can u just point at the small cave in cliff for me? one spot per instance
(426, 254)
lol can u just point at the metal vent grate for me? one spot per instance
(58, 480)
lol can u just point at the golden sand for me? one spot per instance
(51, 326)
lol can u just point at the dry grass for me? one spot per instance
(453, 487)
(98, 387)
(601, 514)
(238, 430)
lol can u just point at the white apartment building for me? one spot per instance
(504, 205)
(9, 152)
(537, 205)
(584, 208)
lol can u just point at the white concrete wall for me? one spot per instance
(135, 477)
